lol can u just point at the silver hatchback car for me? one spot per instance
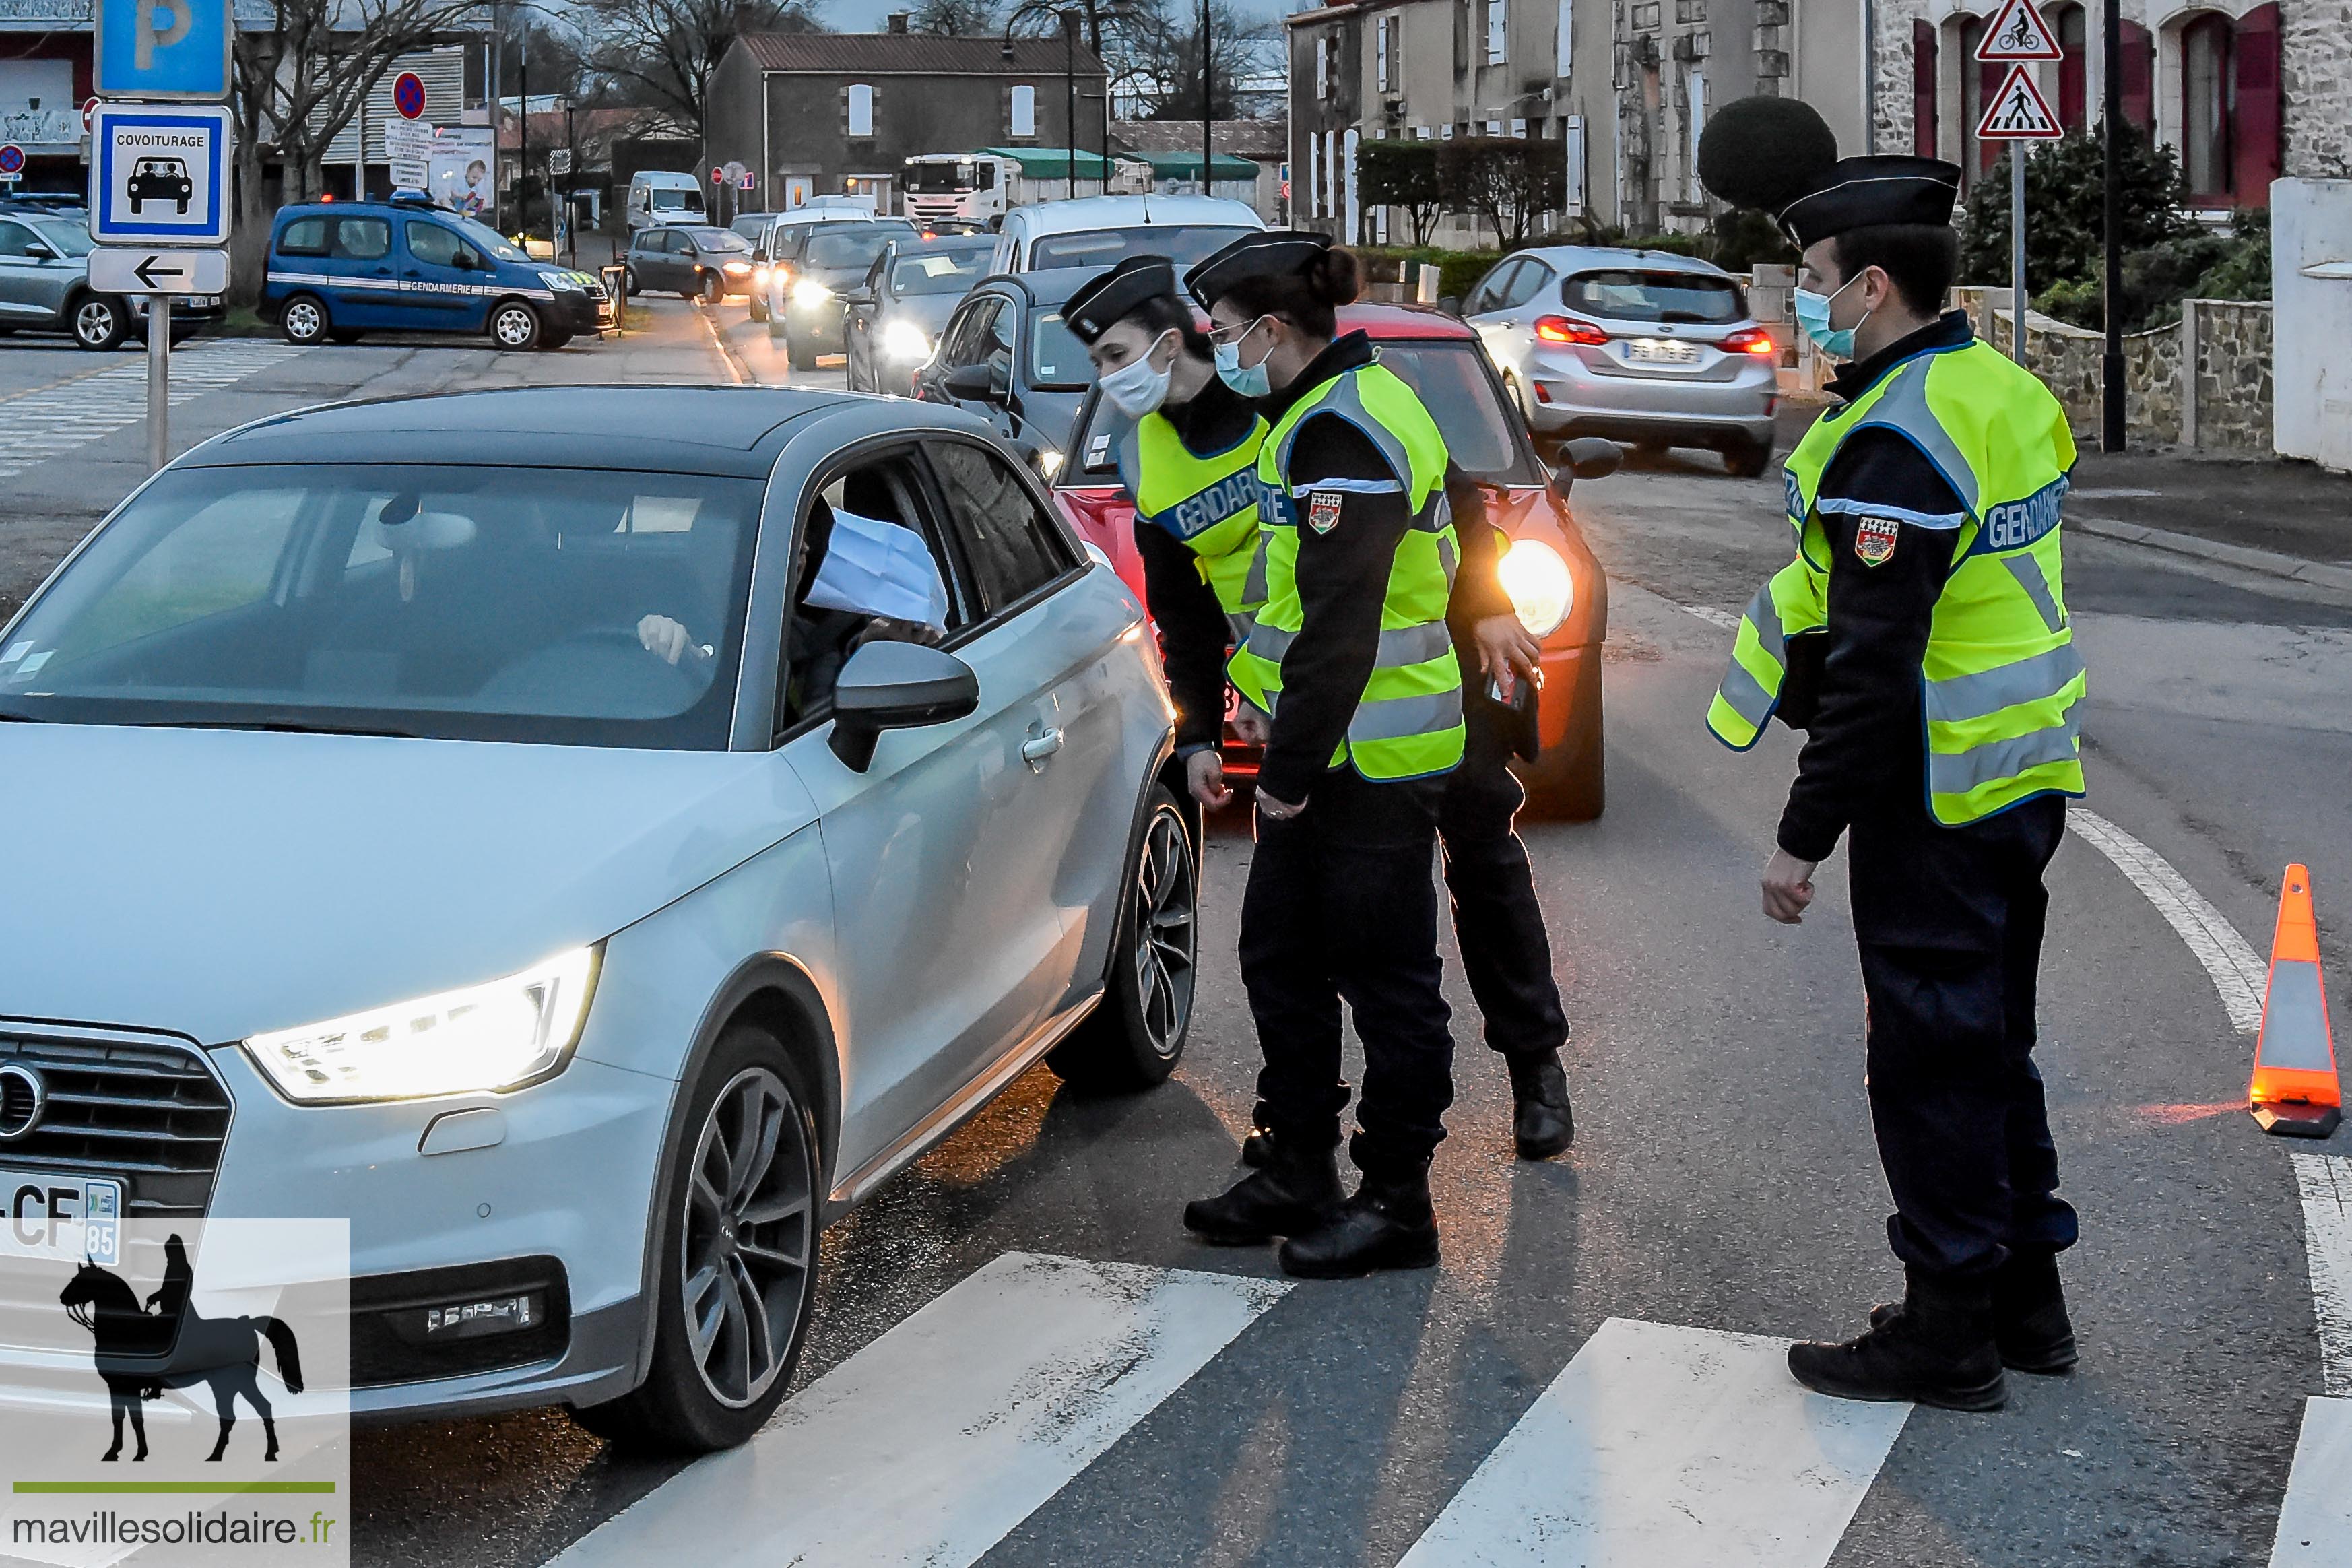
(1638, 345)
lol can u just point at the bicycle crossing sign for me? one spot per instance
(2018, 33)
(2018, 112)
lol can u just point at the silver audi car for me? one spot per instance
(1640, 346)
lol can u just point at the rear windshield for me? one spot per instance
(1181, 243)
(1626, 294)
(452, 602)
(941, 271)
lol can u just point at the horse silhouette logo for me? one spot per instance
(141, 1350)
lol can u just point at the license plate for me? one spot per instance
(1660, 350)
(43, 1214)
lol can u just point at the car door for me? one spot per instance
(1533, 289)
(1485, 310)
(30, 290)
(363, 282)
(444, 279)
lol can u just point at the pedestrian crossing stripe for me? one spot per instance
(2018, 112)
(57, 419)
(2314, 1525)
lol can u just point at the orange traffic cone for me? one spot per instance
(2294, 1089)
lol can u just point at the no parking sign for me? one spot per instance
(408, 95)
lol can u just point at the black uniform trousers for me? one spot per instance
(1505, 953)
(1949, 922)
(1341, 905)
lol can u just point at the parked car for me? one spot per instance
(1006, 355)
(1636, 345)
(663, 195)
(45, 283)
(1559, 587)
(691, 262)
(895, 316)
(571, 976)
(810, 280)
(1093, 232)
(780, 240)
(342, 270)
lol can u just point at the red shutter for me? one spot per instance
(2071, 23)
(1923, 89)
(2136, 83)
(2255, 123)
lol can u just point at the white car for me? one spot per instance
(1093, 232)
(452, 813)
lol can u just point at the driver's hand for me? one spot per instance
(665, 639)
(1204, 775)
(1253, 724)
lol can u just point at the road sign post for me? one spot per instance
(2018, 113)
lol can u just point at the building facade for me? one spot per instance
(1626, 85)
(829, 113)
(2242, 91)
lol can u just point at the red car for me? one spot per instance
(1559, 587)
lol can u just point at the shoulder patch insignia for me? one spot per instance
(1873, 540)
(1323, 511)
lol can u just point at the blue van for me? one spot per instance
(343, 270)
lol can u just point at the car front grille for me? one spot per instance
(144, 1110)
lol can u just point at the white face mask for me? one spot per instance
(1138, 389)
(876, 568)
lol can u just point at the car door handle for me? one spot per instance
(1037, 748)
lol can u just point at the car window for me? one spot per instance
(716, 241)
(66, 239)
(437, 247)
(1181, 243)
(971, 336)
(1531, 276)
(674, 199)
(1057, 358)
(1629, 294)
(362, 239)
(938, 271)
(858, 248)
(749, 225)
(1458, 387)
(304, 236)
(1013, 549)
(13, 238)
(1488, 294)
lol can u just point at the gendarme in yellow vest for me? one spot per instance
(1209, 503)
(1409, 721)
(2000, 677)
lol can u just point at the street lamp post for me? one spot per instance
(1069, 20)
(2110, 365)
(1208, 103)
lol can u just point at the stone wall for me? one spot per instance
(2316, 66)
(2230, 407)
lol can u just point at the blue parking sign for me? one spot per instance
(164, 48)
(158, 174)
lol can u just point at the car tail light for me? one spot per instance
(1750, 341)
(1569, 330)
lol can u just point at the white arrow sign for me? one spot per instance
(2018, 112)
(2018, 33)
(123, 269)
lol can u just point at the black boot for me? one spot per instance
(1936, 1348)
(2029, 1316)
(1386, 1225)
(1542, 1124)
(1298, 1190)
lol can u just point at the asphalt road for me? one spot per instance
(1723, 1183)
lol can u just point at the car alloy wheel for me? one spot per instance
(514, 325)
(98, 323)
(713, 291)
(746, 1237)
(1166, 932)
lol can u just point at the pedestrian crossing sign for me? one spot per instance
(2018, 112)
(2018, 33)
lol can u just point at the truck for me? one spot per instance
(971, 186)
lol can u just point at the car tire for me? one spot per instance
(711, 289)
(304, 320)
(629, 280)
(98, 321)
(747, 1097)
(555, 339)
(801, 355)
(346, 334)
(514, 326)
(1748, 459)
(1135, 1037)
(757, 304)
(1569, 782)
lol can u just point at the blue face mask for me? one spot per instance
(1251, 381)
(1813, 315)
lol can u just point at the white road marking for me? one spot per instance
(2239, 976)
(933, 1443)
(719, 344)
(1663, 1446)
(58, 418)
(2315, 1527)
(2326, 1185)
(1723, 620)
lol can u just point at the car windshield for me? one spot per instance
(1181, 243)
(1057, 358)
(673, 200)
(467, 602)
(857, 247)
(941, 271)
(1628, 295)
(749, 225)
(715, 240)
(1480, 430)
(488, 238)
(938, 179)
(70, 238)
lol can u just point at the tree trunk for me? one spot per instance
(249, 243)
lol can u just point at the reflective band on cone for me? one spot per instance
(2295, 1089)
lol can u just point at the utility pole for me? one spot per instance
(522, 134)
(1207, 103)
(1070, 98)
(2110, 365)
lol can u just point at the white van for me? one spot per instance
(664, 196)
(1096, 231)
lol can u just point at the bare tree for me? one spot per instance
(661, 52)
(300, 83)
(960, 19)
(1161, 49)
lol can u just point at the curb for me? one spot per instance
(2268, 562)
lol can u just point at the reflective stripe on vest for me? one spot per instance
(2000, 677)
(1207, 503)
(1408, 722)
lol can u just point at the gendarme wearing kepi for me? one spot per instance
(1919, 636)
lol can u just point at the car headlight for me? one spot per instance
(1542, 588)
(497, 1036)
(904, 340)
(561, 282)
(736, 269)
(760, 276)
(808, 293)
(1049, 461)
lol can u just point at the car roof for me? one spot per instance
(1051, 287)
(1388, 321)
(1584, 257)
(722, 430)
(1130, 211)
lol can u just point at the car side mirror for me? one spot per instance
(36, 251)
(971, 383)
(857, 297)
(1585, 457)
(896, 686)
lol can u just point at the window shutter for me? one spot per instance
(2254, 130)
(1564, 48)
(1322, 67)
(2136, 83)
(1499, 45)
(1571, 132)
(1923, 89)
